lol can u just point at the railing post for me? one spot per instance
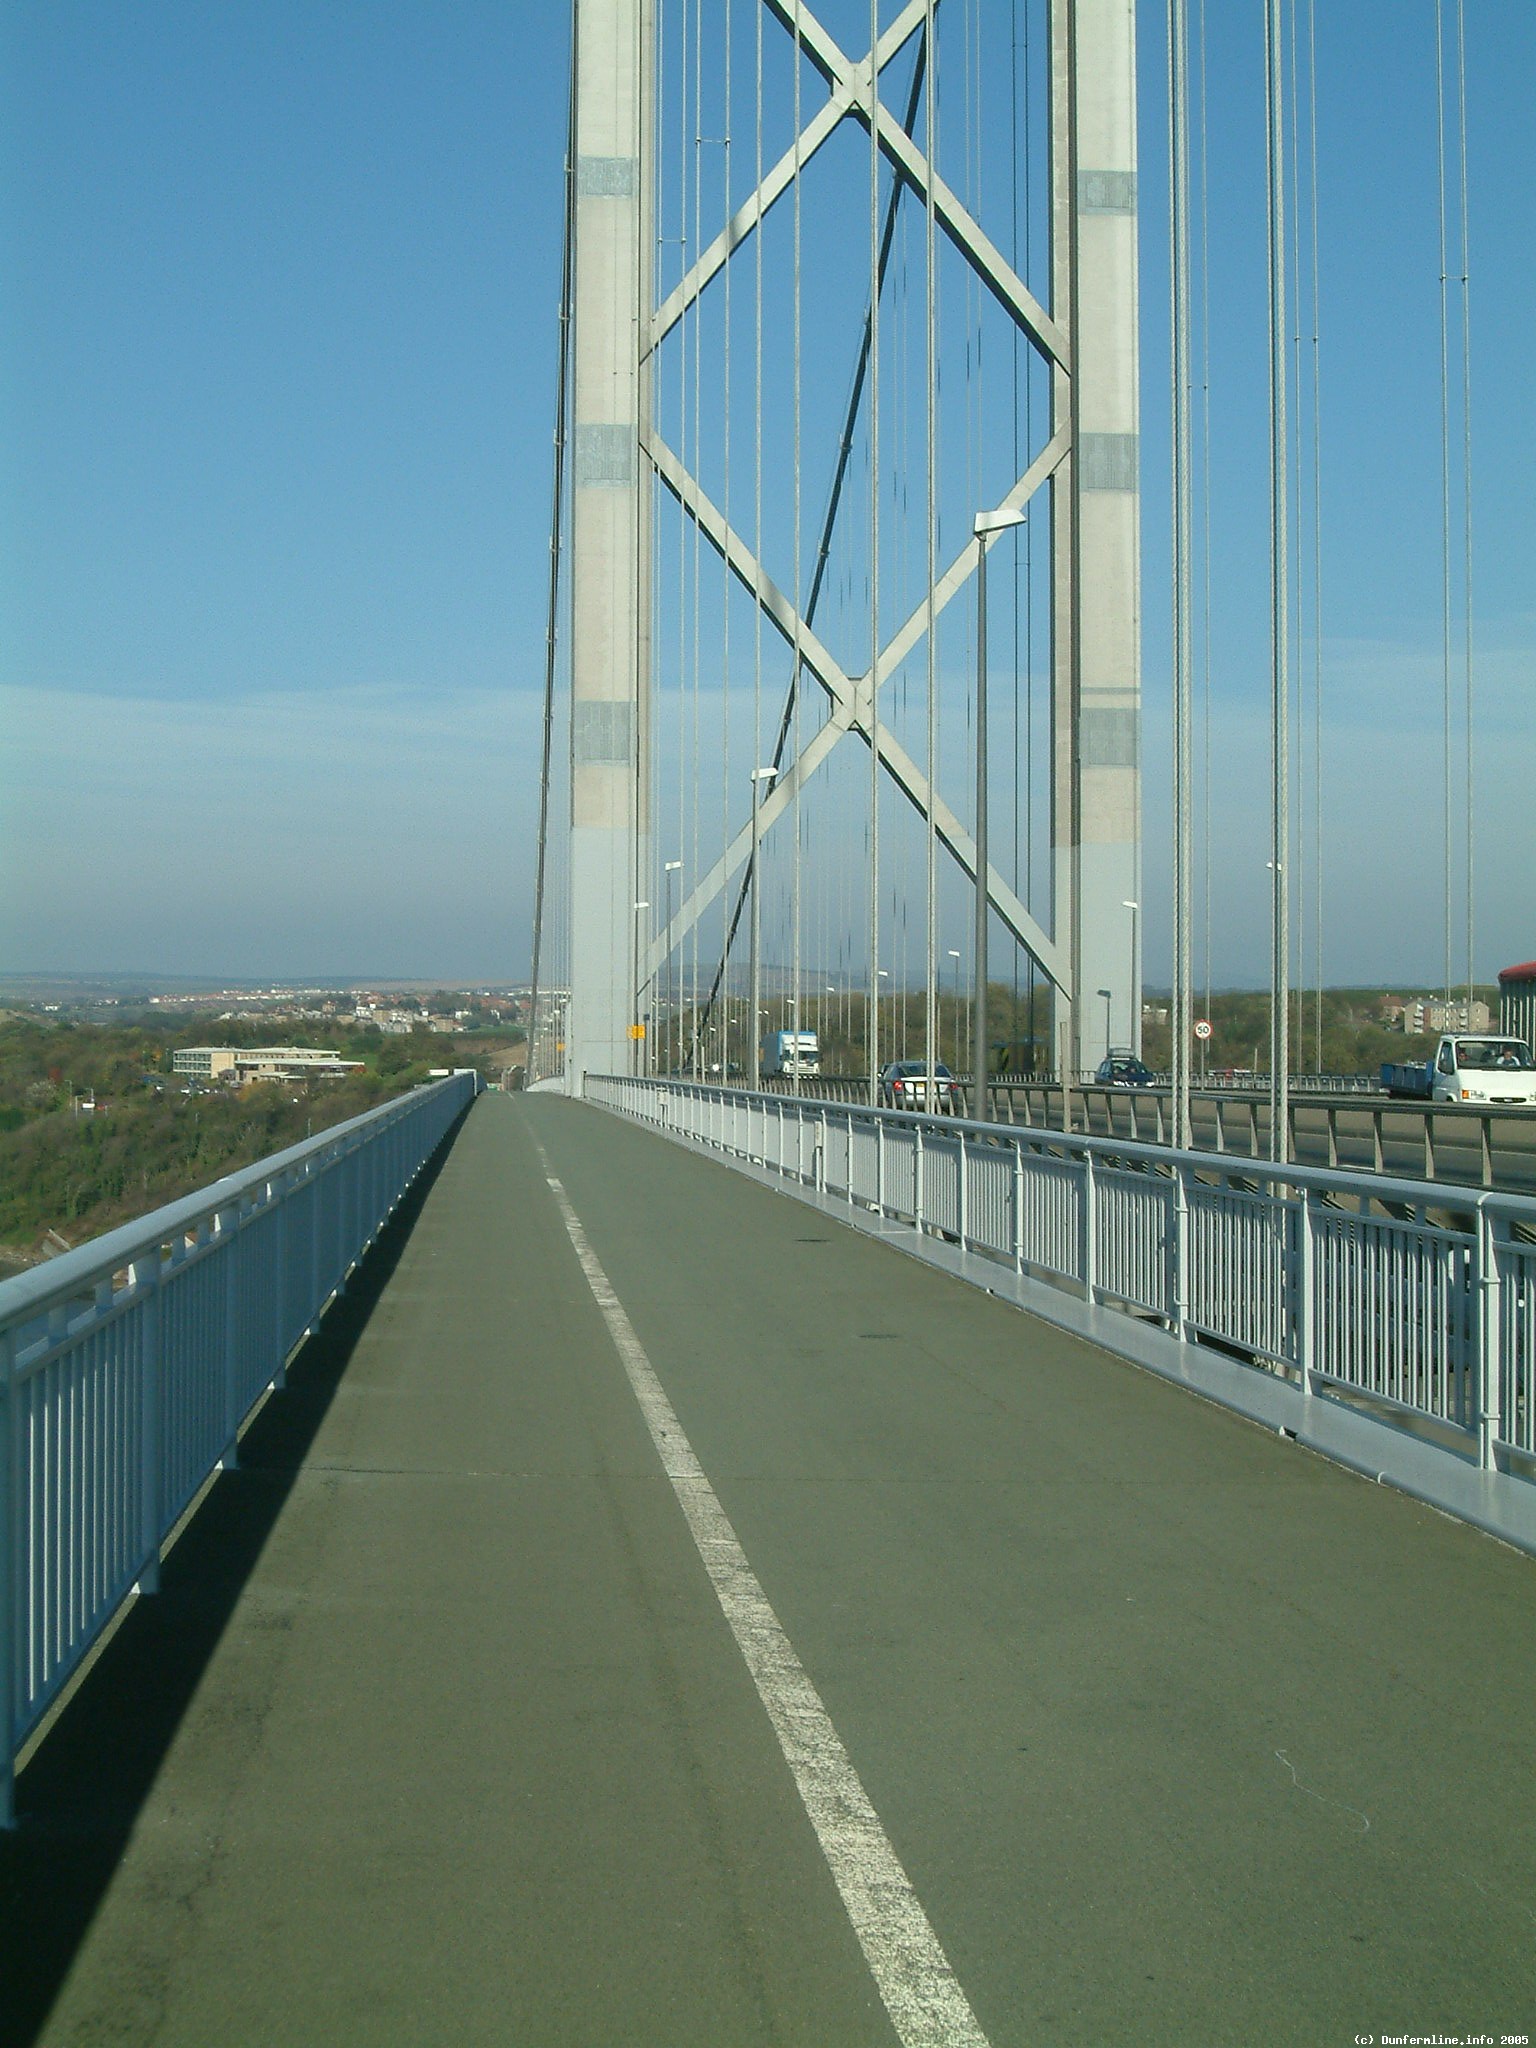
(965, 1205)
(1333, 1137)
(10, 1562)
(277, 1192)
(879, 1163)
(1177, 1269)
(1018, 1207)
(1090, 1227)
(226, 1226)
(918, 1176)
(145, 1273)
(1488, 1339)
(352, 1210)
(315, 1205)
(1429, 1144)
(1485, 1127)
(1378, 1152)
(1304, 1268)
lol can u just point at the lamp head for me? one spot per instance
(995, 522)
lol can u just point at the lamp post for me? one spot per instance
(986, 524)
(759, 777)
(670, 868)
(954, 954)
(637, 1028)
(1132, 1034)
(1104, 992)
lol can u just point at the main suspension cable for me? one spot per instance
(556, 526)
(1279, 520)
(1178, 143)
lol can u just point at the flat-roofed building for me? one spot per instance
(240, 1063)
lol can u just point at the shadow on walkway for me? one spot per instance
(79, 1797)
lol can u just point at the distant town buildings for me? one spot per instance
(238, 1064)
(1426, 1016)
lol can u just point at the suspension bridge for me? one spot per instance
(694, 1554)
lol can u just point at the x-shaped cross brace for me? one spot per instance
(852, 92)
(853, 710)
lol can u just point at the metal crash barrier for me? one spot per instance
(1414, 1302)
(128, 1365)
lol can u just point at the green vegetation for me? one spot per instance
(95, 1130)
(1346, 1034)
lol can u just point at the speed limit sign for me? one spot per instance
(1202, 1028)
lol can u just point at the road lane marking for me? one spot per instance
(911, 1971)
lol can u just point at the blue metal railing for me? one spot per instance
(1414, 1301)
(128, 1365)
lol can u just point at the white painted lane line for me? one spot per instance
(910, 1969)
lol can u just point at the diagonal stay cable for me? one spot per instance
(557, 511)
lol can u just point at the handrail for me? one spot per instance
(30, 1292)
(1369, 1186)
(1412, 1301)
(1490, 1138)
(128, 1365)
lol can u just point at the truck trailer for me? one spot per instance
(791, 1052)
(1467, 1067)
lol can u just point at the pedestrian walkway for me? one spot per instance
(439, 1731)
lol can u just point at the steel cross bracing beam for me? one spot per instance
(853, 87)
(978, 249)
(852, 93)
(851, 700)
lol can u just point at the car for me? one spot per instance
(904, 1085)
(1124, 1070)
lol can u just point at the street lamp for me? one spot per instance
(669, 869)
(759, 777)
(1104, 992)
(637, 1029)
(986, 524)
(954, 954)
(1133, 1034)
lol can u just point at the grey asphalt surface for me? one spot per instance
(437, 1732)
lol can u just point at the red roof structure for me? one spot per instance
(1525, 972)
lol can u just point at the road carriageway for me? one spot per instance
(1461, 1144)
(655, 1614)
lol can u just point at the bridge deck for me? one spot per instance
(437, 1732)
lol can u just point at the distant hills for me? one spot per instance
(44, 987)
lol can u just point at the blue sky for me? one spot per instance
(277, 417)
(275, 431)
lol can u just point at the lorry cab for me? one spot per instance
(791, 1052)
(1484, 1069)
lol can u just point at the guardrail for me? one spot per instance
(1397, 1294)
(1343, 1128)
(128, 1365)
(1466, 1144)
